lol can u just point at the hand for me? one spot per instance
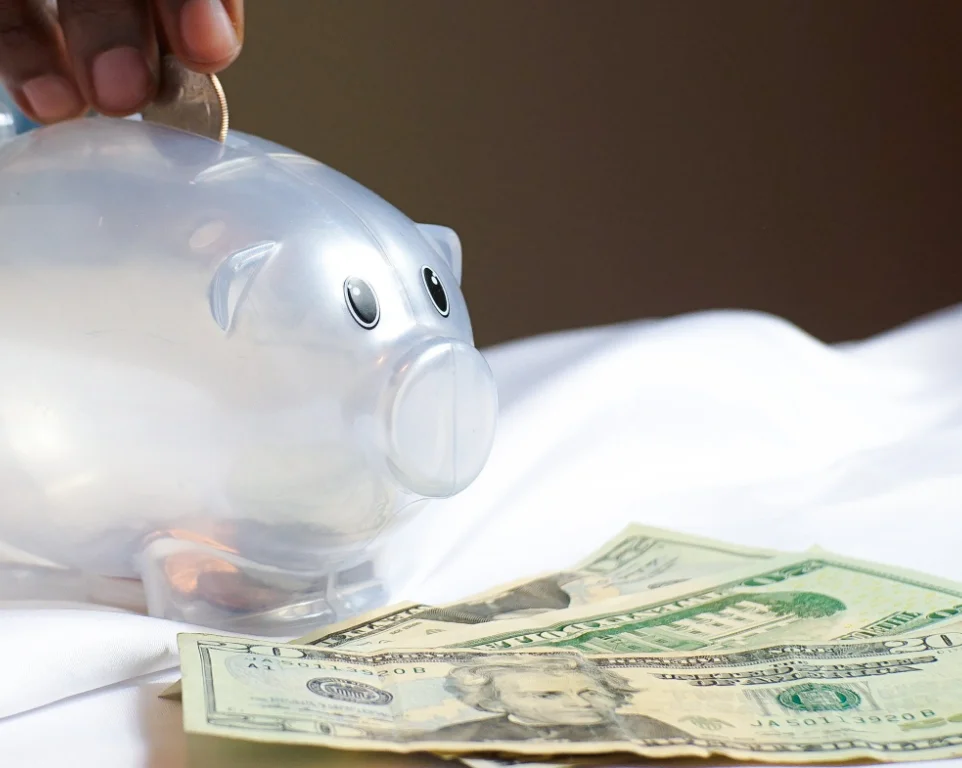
(104, 54)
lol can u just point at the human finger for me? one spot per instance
(33, 64)
(205, 35)
(113, 47)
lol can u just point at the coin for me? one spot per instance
(189, 101)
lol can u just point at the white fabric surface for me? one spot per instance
(729, 424)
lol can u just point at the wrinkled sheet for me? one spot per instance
(736, 425)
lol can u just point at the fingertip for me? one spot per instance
(208, 67)
(208, 38)
(51, 98)
(122, 81)
(33, 65)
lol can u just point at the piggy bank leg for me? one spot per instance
(28, 581)
(201, 583)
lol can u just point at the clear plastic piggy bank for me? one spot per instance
(227, 371)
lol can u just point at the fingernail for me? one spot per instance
(207, 31)
(121, 79)
(52, 97)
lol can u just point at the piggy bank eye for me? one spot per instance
(362, 302)
(435, 290)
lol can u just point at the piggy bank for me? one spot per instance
(227, 371)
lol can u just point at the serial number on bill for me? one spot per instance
(822, 720)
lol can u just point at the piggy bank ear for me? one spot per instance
(447, 243)
(233, 278)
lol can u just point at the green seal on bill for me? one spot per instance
(817, 697)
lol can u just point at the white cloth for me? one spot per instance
(729, 424)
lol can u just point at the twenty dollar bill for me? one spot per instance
(638, 560)
(891, 699)
(790, 599)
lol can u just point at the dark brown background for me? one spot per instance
(610, 160)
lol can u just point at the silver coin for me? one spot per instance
(189, 101)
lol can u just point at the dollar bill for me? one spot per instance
(889, 699)
(481, 762)
(895, 621)
(794, 598)
(639, 559)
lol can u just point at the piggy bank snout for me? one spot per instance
(441, 418)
